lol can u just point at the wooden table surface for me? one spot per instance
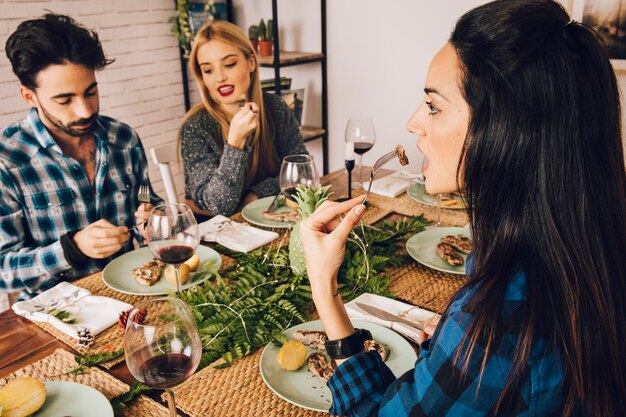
(22, 342)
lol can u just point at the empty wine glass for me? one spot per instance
(173, 235)
(162, 345)
(360, 130)
(422, 180)
(297, 170)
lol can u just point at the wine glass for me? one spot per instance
(360, 130)
(422, 180)
(173, 235)
(162, 345)
(295, 170)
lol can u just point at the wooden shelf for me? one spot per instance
(310, 133)
(290, 58)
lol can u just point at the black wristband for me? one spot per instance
(348, 346)
(72, 254)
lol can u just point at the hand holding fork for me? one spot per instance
(143, 195)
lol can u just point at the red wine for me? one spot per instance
(166, 371)
(175, 254)
(362, 147)
(290, 193)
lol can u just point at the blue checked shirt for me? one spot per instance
(45, 194)
(364, 386)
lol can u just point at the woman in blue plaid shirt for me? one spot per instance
(521, 114)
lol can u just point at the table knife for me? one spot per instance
(273, 205)
(383, 315)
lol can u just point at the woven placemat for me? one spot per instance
(234, 391)
(424, 287)
(51, 367)
(404, 204)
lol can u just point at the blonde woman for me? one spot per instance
(232, 143)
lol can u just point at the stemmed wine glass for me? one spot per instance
(422, 180)
(295, 170)
(360, 130)
(162, 345)
(173, 235)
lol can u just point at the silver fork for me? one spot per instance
(143, 195)
(377, 165)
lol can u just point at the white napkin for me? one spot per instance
(397, 308)
(236, 236)
(94, 312)
(391, 185)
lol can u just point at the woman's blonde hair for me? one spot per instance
(262, 163)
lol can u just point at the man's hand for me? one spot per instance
(242, 124)
(101, 239)
(324, 239)
(141, 218)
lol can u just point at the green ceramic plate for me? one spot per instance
(116, 274)
(306, 390)
(416, 192)
(423, 248)
(253, 213)
(72, 399)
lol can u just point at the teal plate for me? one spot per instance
(423, 248)
(65, 398)
(116, 274)
(416, 192)
(306, 390)
(253, 213)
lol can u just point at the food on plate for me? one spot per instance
(286, 216)
(194, 262)
(149, 273)
(320, 366)
(448, 254)
(452, 203)
(383, 351)
(291, 355)
(402, 155)
(312, 338)
(22, 397)
(460, 243)
(170, 273)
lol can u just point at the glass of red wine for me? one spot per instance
(297, 170)
(360, 130)
(173, 235)
(162, 345)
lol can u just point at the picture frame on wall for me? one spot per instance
(608, 18)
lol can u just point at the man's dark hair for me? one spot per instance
(53, 39)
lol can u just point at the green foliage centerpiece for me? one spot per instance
(308, 199)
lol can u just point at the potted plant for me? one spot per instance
(253, 35)
(266, 37)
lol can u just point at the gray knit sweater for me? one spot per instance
(215, 173)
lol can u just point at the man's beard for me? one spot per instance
(67, 129)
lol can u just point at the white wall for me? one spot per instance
(378, 56)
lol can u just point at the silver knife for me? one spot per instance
(383, 315)
(273, 206)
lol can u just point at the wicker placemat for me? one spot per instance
(235, 391)
(424, 287)
(404, 204)
(51, 367)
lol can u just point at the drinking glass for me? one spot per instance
(360, 130)
(422, 180)
(295, 170)
(173, 235)
(162, 345)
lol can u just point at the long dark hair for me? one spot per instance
(53, 39)
(543, 172)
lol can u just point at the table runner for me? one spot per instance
(51, 367)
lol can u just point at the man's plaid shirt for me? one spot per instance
(45, 194)
(364, 386)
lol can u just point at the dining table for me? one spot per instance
(28, 348)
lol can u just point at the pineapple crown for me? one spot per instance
(310, 198)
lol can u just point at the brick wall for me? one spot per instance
(142, 87)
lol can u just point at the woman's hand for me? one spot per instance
(324, 240)
(244, 122)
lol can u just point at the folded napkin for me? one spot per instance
(397, 308)
(94, 312)
(236, 236)
(391, 185)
